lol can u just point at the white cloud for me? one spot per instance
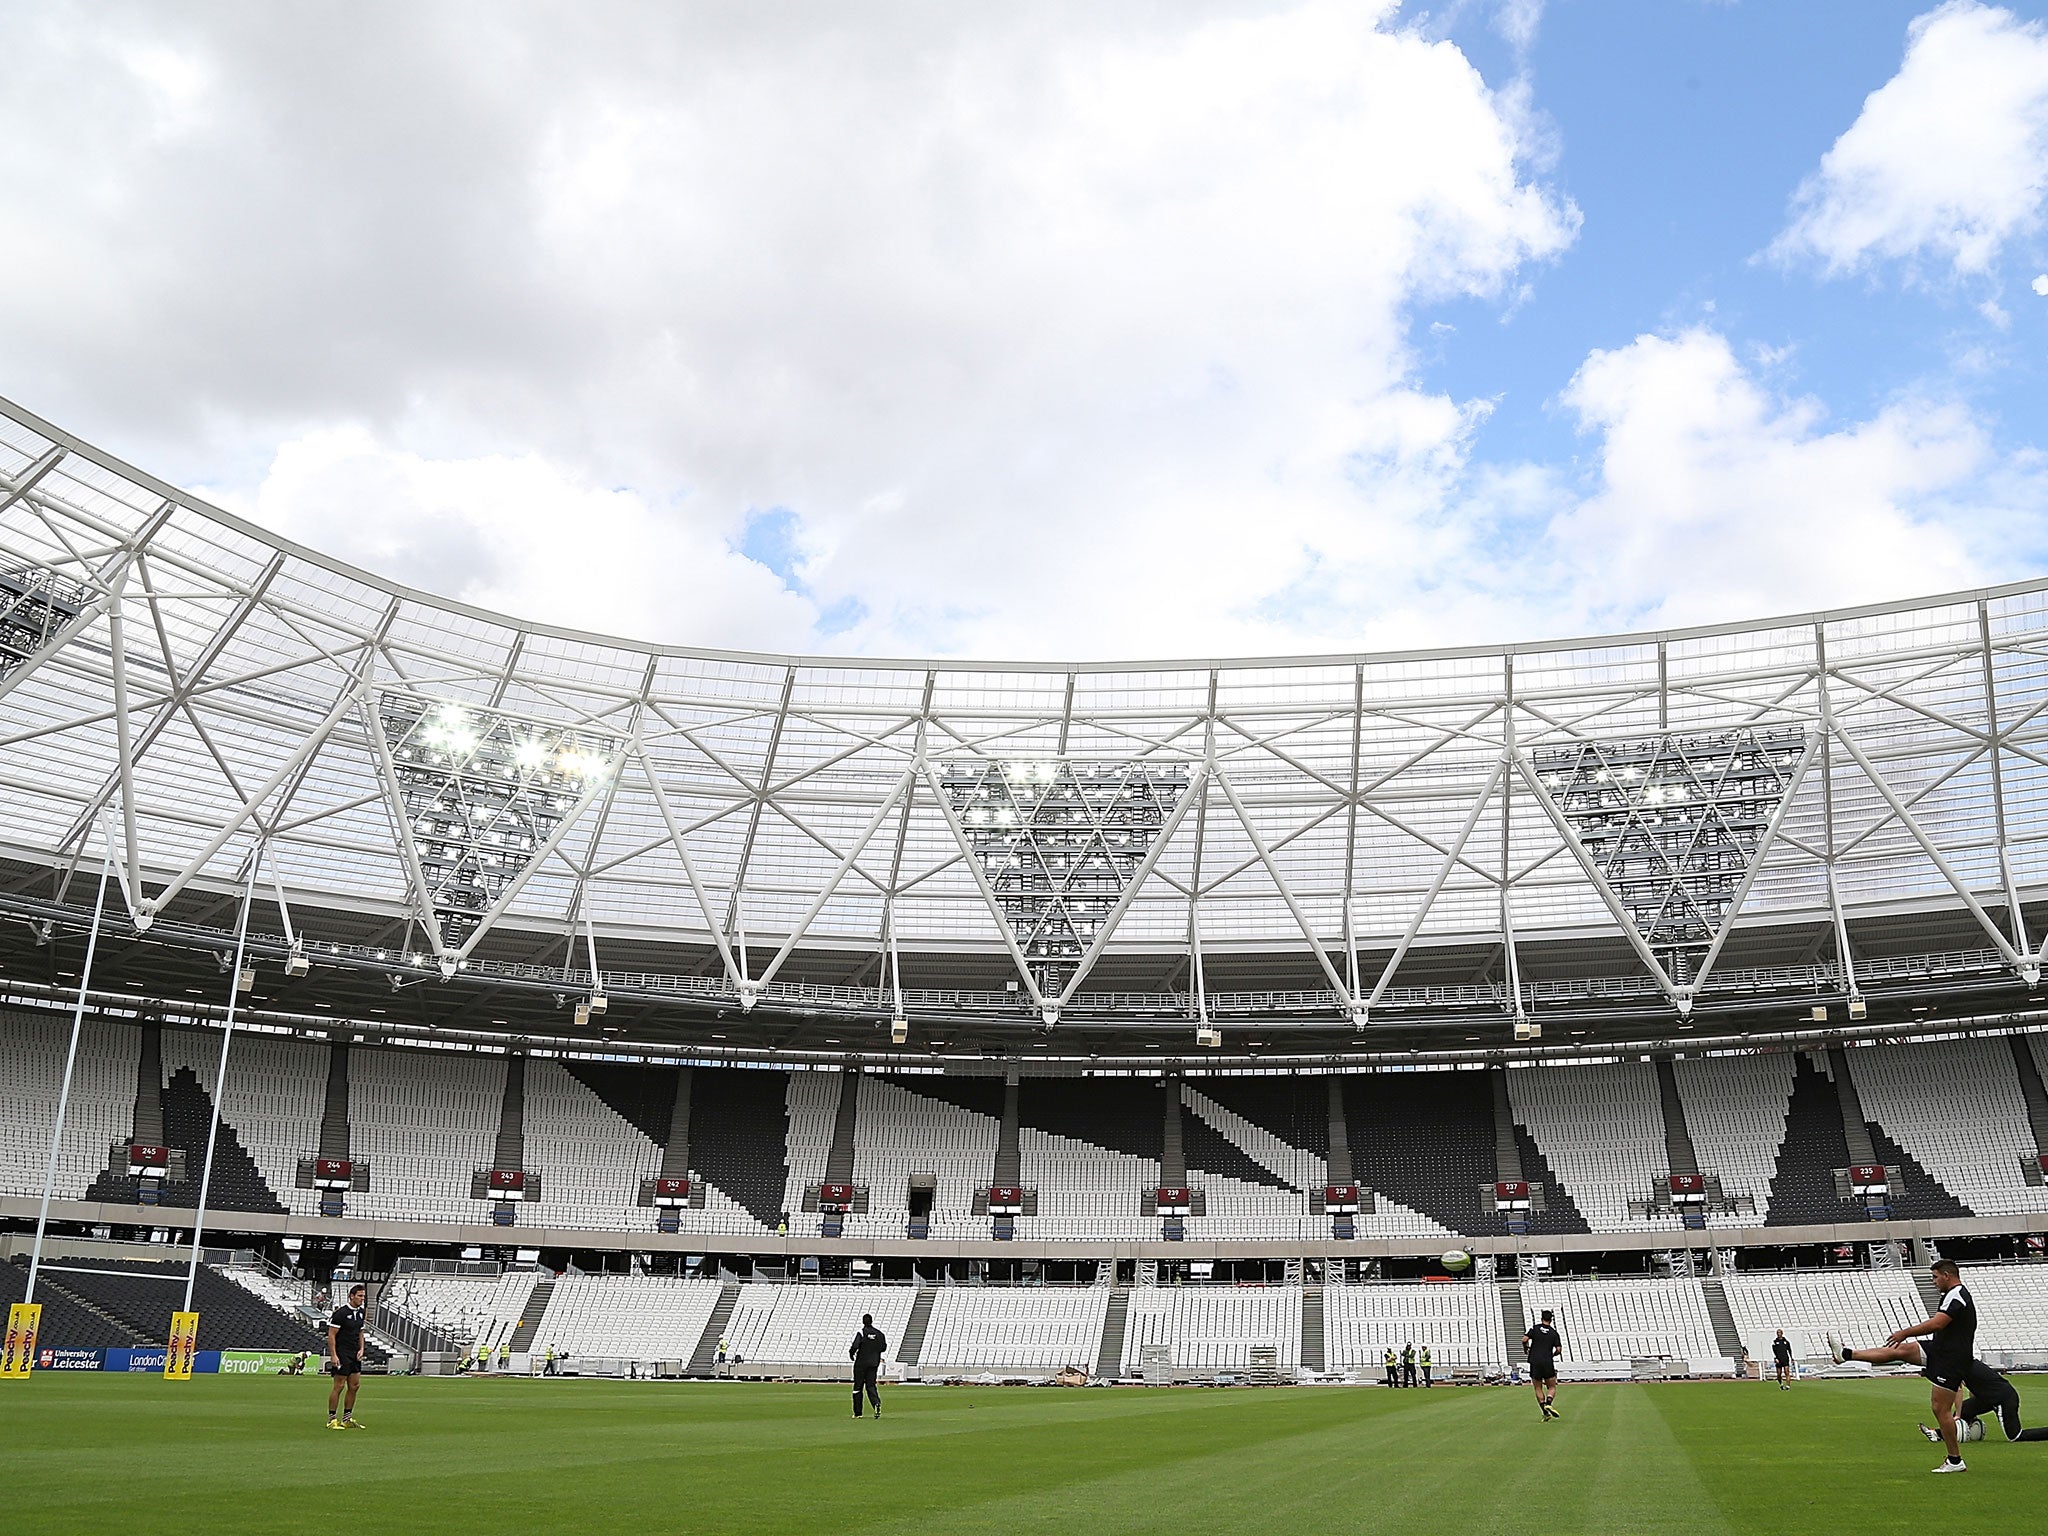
(2040, 285)
(1947, 161)
(1716, 497)
(519, 535)
(1062, 329)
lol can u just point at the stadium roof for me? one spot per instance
(1649, 828)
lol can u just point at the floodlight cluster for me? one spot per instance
(1060, 842)
(482, 794)
(34, 606)
(1677, 869)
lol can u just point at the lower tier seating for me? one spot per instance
(813, 1324)
(1024, 1329)
(1214, 1327)
(1626, 1319)
(1460, 1322)
(1861, 1305)
(646, 1317)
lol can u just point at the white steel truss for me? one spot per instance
(1673, 830)
(1061, 844)
(479, 797)
(200, 686)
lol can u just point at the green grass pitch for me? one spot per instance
(138, 1455)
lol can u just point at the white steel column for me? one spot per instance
(92, 944)
(1827, 813)
(220, 1079)
(2013, 913)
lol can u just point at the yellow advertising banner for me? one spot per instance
(24, 1320)
(184, 1345)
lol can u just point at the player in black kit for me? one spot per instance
(1543, 1344)
(866, 1354)
(1990, 1393)
(1781, 1360)
(1944, 1347)
(345, 1358)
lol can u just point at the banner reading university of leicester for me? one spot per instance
(24, 1320)
(183, 1346)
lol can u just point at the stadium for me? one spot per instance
(622, 1012)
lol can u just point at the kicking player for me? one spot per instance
(345, 1358)
(1781, 1358)
(1943, 1347)
(1543, 1344)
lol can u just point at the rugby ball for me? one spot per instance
(1457, 1260)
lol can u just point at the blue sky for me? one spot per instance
(1684, 129)
(1070, 330)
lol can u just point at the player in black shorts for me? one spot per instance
(1990, 1393)
(1944, 1347)
(345, 1359)
(1781, 1360)
(1543, 1344)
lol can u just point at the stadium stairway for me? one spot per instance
(2031, 1090)
(1312, 1353)
(1507, 1150)
(531, 1314)
(675, 1151)
(1109, 1355)
(1173, 1160)
(1727, 1337)
(845, 1124)
(334, 1135)
(1924, 1284)
(1512, 1322)
(704, 1358)
(510, 1151)
(1009, 1158)
(910, 1348)
(1678, 1147)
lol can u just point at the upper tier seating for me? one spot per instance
(1091, 1147)
(1956, 1106)
(902, 1133)
(813, 1324)
(1459, 1322)
(590, 1159)
(276, 1089)
(739, 1146)
(1213, 1327)
(102, 1105)
(1862, 1305)
(1424, 1141)
(1601, 1129)
(1228, 1104)
(812, 1107)
(1022, 1329)
(1625, 1319)
(1735, 1107)
(425, 1121)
